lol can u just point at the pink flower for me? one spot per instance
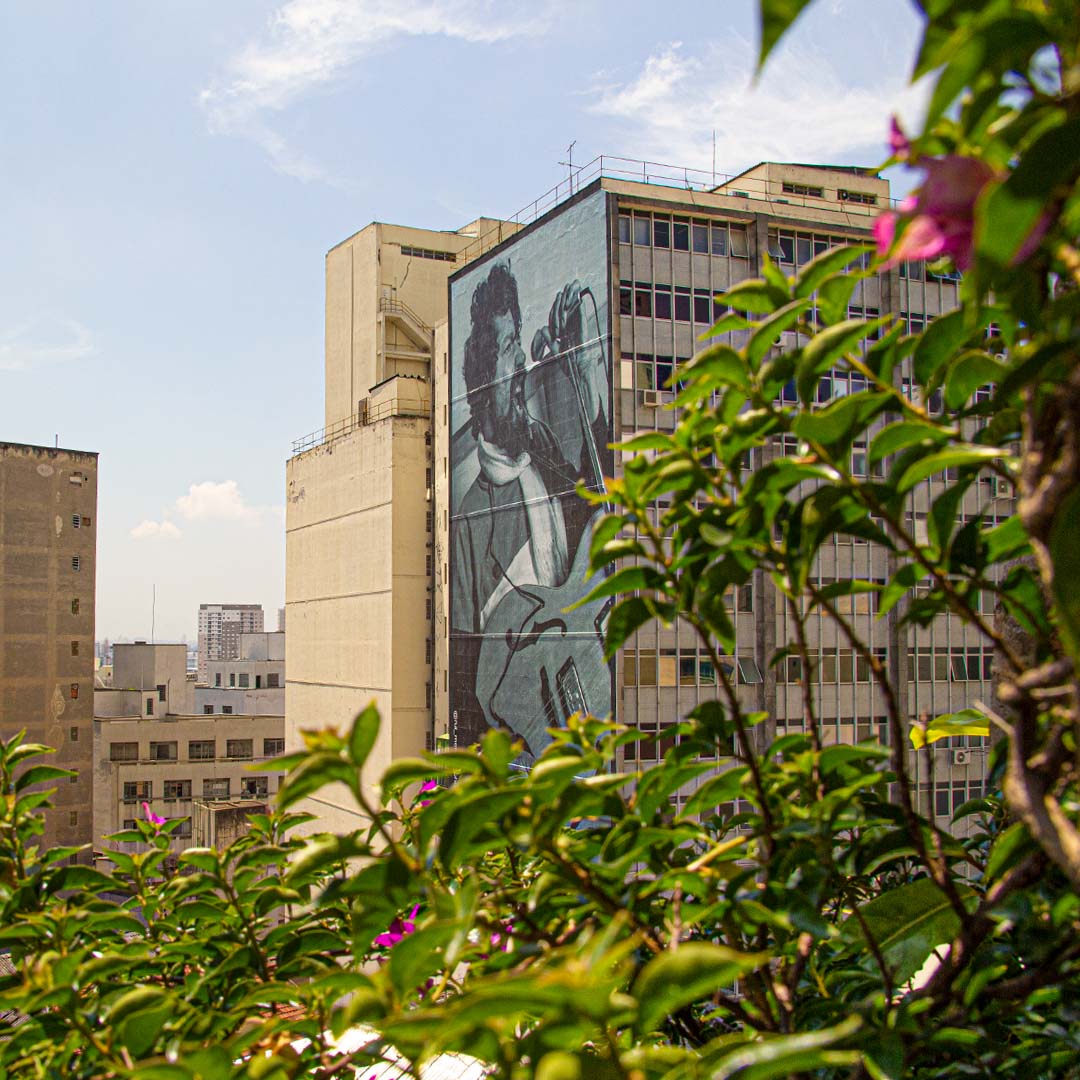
(899, 143)
(427, 785)
(155, 819)
(940, 215)
(397, 930)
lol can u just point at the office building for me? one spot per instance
(359, 512)
(252, 684)
(529, 395)
(149, 745)
(220, 627)
(48, 539)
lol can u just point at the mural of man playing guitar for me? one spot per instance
(519, 538)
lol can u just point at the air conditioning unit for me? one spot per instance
(650, 398)
(1000, 488)
(961, 757)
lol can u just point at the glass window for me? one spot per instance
(740, 247)
(804, 251)
(624, 228)
(682, 303)
(749, 672)
(239, 749)
(680, 235)
(702, 306)
(643, 301)
(701, 237)
(244, 680)
(626, 298)
(208, 710)
(163, 751)
(662, 309)
(719, 239)
(137, 789)
(663, 372)
(641, 229)
(217, 678)
(273, 747)
(253, 787)
(201, 750)
(216, 788)
(177, 789)
(661, 232)
(646, 669)
(124, 751)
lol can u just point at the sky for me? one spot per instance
(172, 173)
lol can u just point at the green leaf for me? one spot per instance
(365, 731)
(418, 955)
(756, 296)
(939, 343)
(903, 434)
(140, 1030)
(907, 923)
(1007, 850)
(776, 17)
(625, 618)
(827, 348)
(768, 333)
(1065, 552)
(965, 722)
(829, 262)
(786, 1055)
(970, 370)
(627, 579)
(39, 774)
(681, 976)
(837, 425)
(959, 455)
(1017, 206)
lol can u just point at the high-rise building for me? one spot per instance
(359, 512)
(562, 340)
(220, 627)
(48, 541)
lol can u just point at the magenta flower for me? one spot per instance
(427, 785)
(899, 143)
(155, 819)
(397, 930)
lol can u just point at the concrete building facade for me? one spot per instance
(359, 512)
(251, 684)
(220, 627)
(48, 548)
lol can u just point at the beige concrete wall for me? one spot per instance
(46, 649)
(144, 667)
(111, 809)
(441, 453)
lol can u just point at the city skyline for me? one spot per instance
(176, 177)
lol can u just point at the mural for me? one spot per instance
(530, 416)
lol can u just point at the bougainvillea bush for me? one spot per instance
(573, 921)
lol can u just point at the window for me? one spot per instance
(183, 830)
(227, 710)
(273, 747)
(682, 303)
(232, 678)
(643, 300)
(740, 247)
(149, 706)
(208, 710)
(75, 606)
(217, 678)
(162, 751)
(626, 298)
(702, 306)
(719, 239)
(700, 233)
(73, 817)
(244, 680)
(680, 234)
(201, 749)
(73, 734)
(427, 253)
(662, 308)
(624, 228)
(239, 749)
(177, 789)
(86, 521)
(253, 787)
(862, 197)
(75, 521)
(137, 789)
(661, 232)
(803, 189)
(216, 788)
(273, 680)
(75, 562)
(124, 751)
(749, 672)
(74, 691)
(642, 224)
(129, 823)
(162, 689)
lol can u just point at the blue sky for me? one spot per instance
(172, 173)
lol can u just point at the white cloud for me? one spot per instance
(220, 501)
(313, 43)
(800, 110)
(155, 530)
(44, 340)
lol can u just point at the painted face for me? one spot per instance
(509, 364)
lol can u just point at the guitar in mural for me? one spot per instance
(536, 651)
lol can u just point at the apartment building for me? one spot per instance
(48, 542)
(637, 264)
(252, 684)
(220, 627)
(150, 745)
(359, 511)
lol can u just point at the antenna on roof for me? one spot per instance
(570, 163)
(153, 613)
